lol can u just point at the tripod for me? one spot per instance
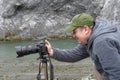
(48, 68)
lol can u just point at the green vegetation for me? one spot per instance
(11, 36)
(16, 39)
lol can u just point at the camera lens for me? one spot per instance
(39, 47)
(26, 50)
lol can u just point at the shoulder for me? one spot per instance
(107, 39)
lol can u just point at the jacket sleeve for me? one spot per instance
(72, 55)
(109, 58)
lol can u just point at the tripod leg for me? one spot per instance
(49, 74)
(40, 68)
(46, 71)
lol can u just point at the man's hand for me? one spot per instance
(49, 48)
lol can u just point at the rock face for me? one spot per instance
(41, 18)
(111, 11)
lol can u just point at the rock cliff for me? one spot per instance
(42, 18)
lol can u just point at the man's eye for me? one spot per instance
(73, 32)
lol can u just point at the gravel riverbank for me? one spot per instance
(22, 69)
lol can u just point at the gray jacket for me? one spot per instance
(103, 47)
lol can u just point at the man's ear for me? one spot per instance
(86, 29)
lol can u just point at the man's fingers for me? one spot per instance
(48, 45)
(46, 41)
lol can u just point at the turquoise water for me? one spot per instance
(8, 51)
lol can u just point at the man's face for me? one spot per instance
(82, 34)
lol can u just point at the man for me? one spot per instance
(99, 40)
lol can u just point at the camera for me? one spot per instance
(39, 47)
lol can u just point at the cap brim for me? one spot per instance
(69, 28)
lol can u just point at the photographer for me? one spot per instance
(98, 40)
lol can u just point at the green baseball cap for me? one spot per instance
(80, 20)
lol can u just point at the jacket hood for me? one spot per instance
(101, 27)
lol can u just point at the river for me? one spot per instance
(26, 68)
